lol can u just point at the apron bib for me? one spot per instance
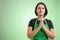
(41, 35)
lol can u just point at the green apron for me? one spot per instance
(41, 35)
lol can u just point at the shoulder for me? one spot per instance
(50, 24)
(33, 20)
(48, 20)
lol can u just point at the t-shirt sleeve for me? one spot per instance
(50, 24)
(30, 23)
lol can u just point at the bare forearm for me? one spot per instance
(34, 32)
(51, 35)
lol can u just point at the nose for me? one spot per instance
(40, 9)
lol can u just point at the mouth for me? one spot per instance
(40, 12)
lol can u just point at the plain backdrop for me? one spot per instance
(16, 14)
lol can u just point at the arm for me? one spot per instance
(31, 33)
(50, 33)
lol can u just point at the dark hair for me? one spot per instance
(44, 6)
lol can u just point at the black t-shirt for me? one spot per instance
(32, 23)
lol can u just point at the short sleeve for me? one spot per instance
(50, 24)
(30, 23)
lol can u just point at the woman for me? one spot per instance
(40, 28)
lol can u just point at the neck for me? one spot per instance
(40, 17)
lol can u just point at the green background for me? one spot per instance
(16, 14)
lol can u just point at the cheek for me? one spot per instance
(43, 11)
(37, 11)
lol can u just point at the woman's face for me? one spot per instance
(40, 10)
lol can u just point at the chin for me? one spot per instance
(41, 14)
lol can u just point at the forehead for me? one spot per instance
(40, 5)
